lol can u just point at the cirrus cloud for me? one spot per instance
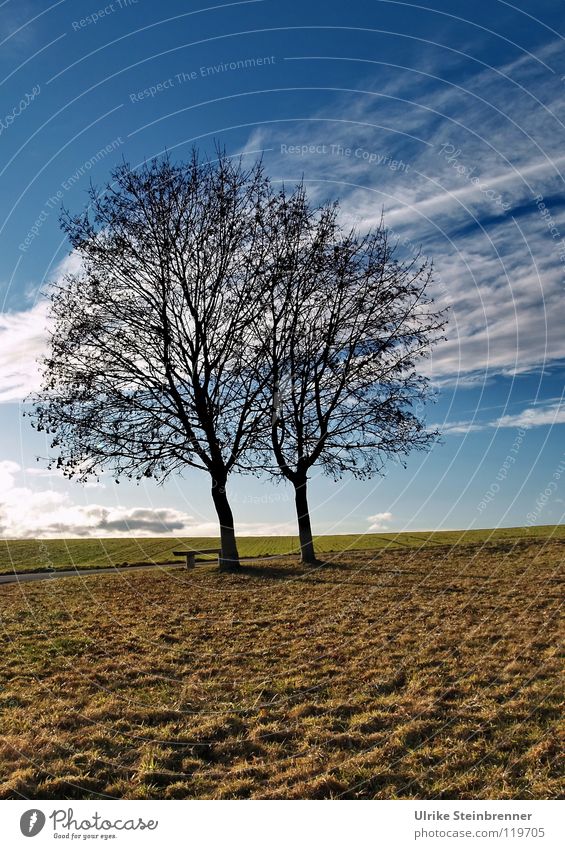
(545, 414)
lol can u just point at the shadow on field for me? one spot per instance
(293, 570)
(356, 574)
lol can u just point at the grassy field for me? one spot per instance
(44, 555)
(424, 673)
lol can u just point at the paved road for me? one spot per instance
(25, 577)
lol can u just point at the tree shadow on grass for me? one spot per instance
(293, 570)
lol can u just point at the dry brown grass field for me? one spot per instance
(428, 673)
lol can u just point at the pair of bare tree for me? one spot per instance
(220, 323)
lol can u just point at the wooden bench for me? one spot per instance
(191, 554)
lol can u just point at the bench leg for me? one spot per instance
(190, 561)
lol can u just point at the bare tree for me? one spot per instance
(345, 329)
(151, 363)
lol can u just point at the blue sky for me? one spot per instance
(450, 120)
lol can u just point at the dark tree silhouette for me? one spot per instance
(152, 358)
(346, 326)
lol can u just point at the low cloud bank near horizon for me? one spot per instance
(26, 513)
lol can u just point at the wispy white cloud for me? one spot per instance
(23, 339)
(459, 427)
(540, 415)
(500, 271)
(379, 521)
(502, 275)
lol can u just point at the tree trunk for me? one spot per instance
(304, 526)
(229, 557)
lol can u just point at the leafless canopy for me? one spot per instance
(150, 365)
(347, 328)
